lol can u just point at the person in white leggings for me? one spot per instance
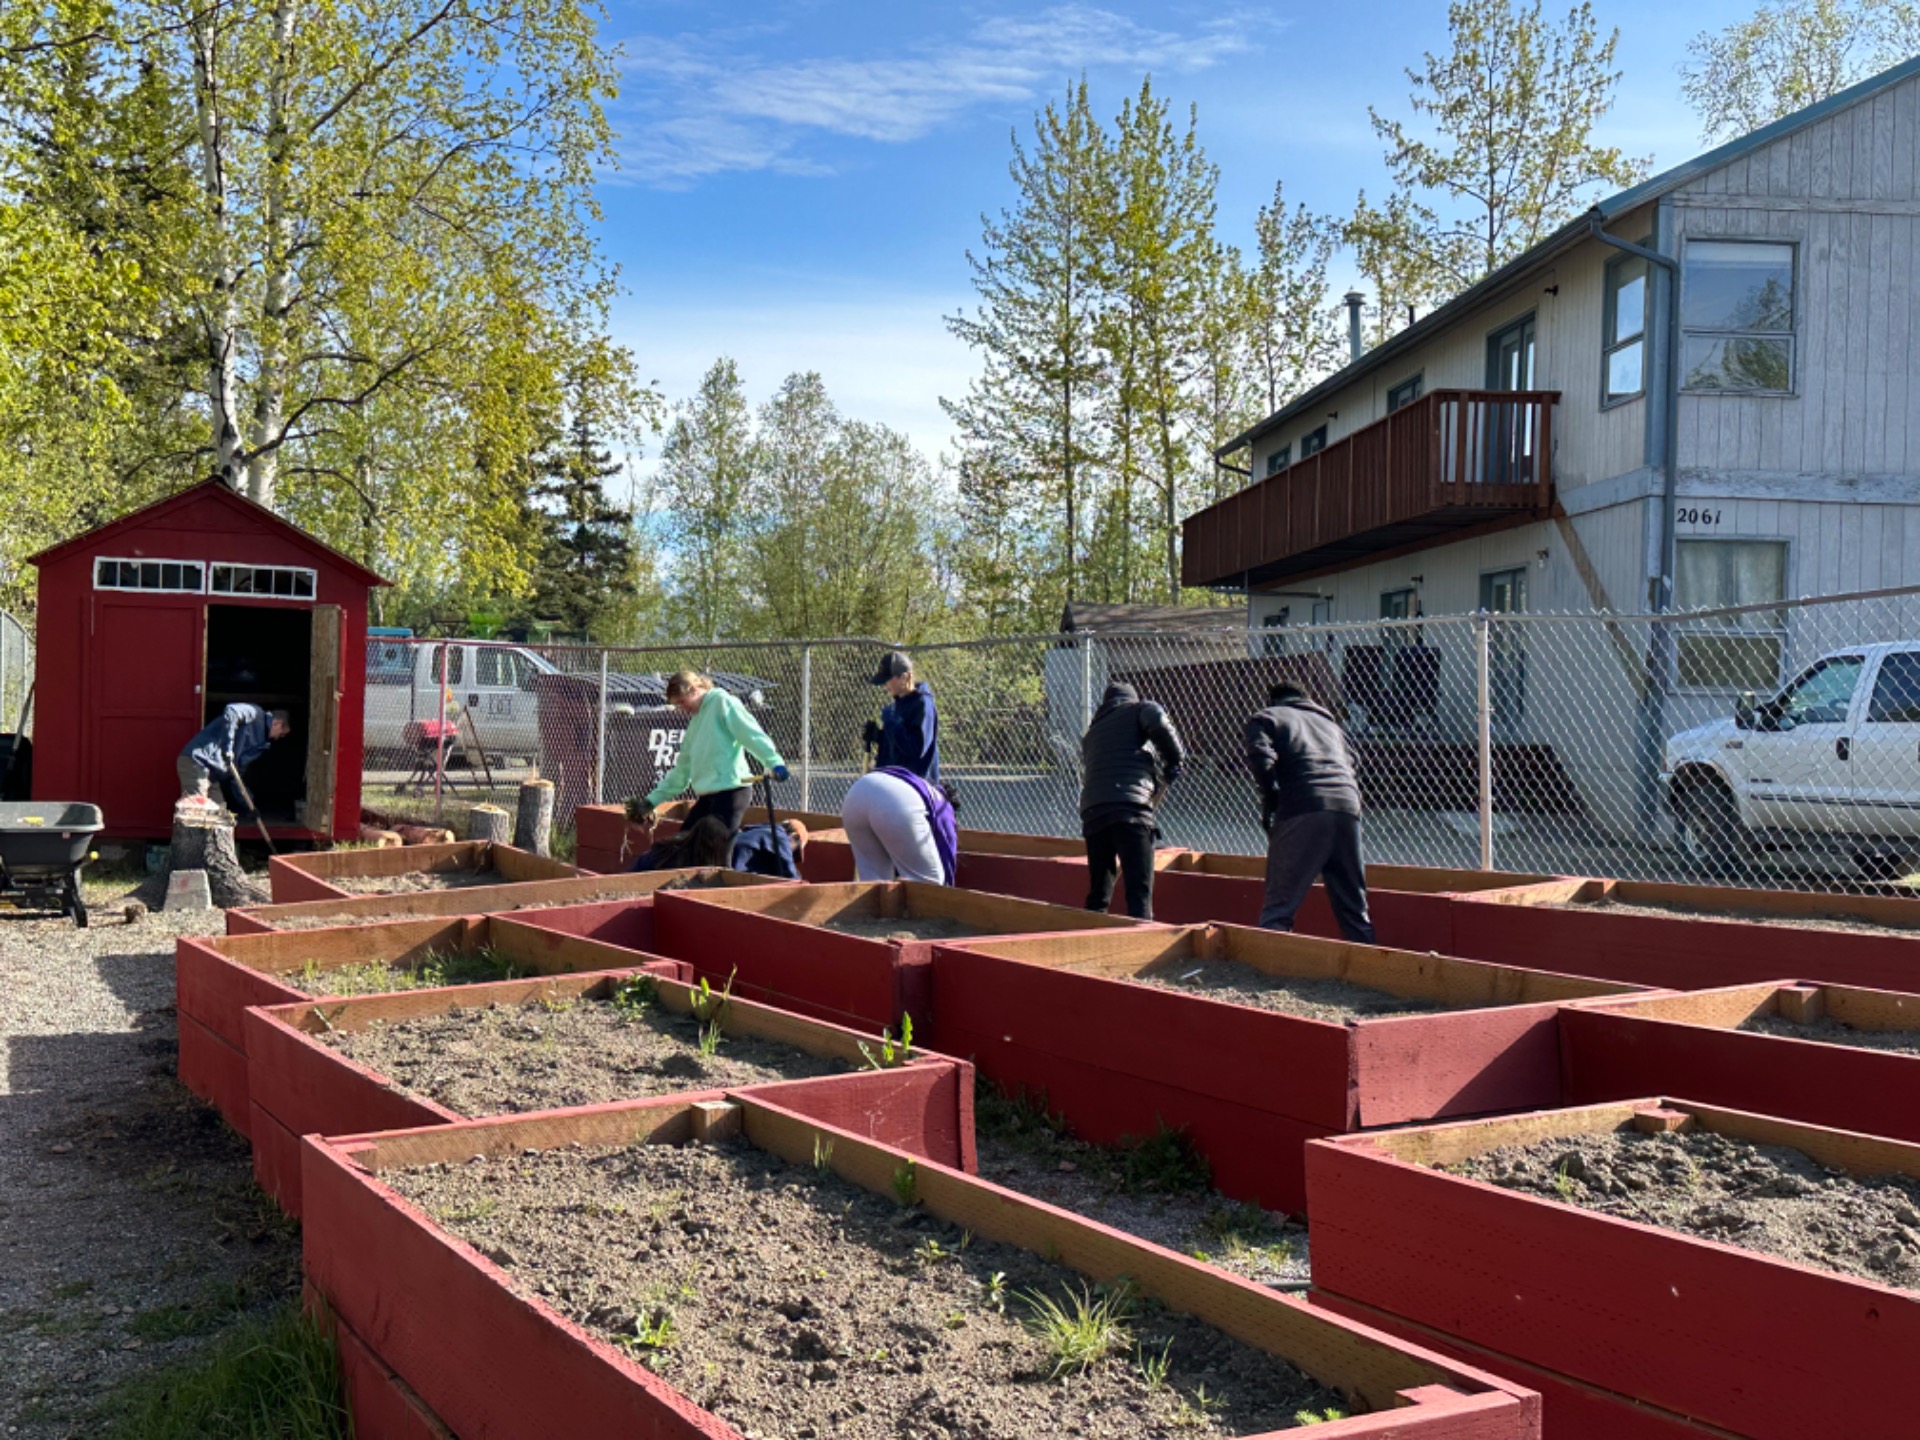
(887, 825)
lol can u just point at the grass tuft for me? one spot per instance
(1079, 1334)
(276, 1378)
(379, 977)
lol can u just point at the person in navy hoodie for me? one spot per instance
(907, 736)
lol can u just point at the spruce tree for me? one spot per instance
(584, 579)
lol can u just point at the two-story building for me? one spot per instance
(1700, 393)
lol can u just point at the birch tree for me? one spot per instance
(1289, 304)
(1791, 54)
(706, 477)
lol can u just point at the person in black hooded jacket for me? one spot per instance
(1310, 809)
(1128, 757)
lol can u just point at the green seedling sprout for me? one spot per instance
(906, 1183)
(710, 1009)
(1322, 1417)
(1082, 1332)
(1155, 1365)
(891, 1054)
(822, 1154)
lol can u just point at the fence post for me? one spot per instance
(1483, 726)
(1086, 685)
(806, 727)
(600, 740)
(440, 730)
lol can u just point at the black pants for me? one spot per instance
(1304, 848)
(1124, 847)
(730, 805)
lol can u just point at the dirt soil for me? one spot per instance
(796, 1304)
(379, 977)
(1765, 1198)
(903, 927)
(322, 922)
(1851, 924)
(1338, 1001)
(1834, 1032)
(131, 1234)
(414, 882)
(505, 1059)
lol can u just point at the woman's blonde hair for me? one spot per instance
(683, 682)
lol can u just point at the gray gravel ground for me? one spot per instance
(130, 1229)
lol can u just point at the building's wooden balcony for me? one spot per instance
(1448, 461)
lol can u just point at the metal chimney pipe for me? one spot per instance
(1355, 345)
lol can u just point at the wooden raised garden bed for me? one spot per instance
(302, 1081)
(1638, 1312)
(856, 954)
(527, 900)
(1825, 1054)
(605, 841)
(1068, 1018)
(1028, 867)
(1696, 937)
(1411, 905)
(473, 1332)
(216, 979)
(340, 874)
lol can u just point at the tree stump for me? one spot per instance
(490, 823)
(533, 819)
(203, 840)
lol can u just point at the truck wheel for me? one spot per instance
(1710, 829)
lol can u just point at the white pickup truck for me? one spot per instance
(1831, 764)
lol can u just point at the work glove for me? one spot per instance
(232, 769)
(870, 736)
(780, 773)
(1269, 812)
(639, 811)
(1173, 773)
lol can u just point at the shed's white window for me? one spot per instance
(180, 577)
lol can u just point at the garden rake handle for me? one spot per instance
(241, 785)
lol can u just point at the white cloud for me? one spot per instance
(704, 107)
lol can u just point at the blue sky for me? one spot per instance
(800, 183)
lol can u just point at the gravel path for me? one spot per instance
(130, 1229)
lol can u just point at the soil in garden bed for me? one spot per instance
(1852, 924)
(1155, 1187)
(1766, 1198)
(790, 1302)
(1337, 1001)
(505, 1059)
(1835, 1032)
(903, 927)
(413, 882)
(379, 977)
(324, 922)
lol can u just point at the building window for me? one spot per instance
(278, 582)
(1624, 369)
(1323, 611)
(180, 577)
(1277, 461)
(1313, 442)
(1730, 652)
(1405, 393)
(1736, 311)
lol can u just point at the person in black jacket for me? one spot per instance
(1310, 809)
(907, 734)
(1128, 757)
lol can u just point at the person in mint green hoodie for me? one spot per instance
(713, 754)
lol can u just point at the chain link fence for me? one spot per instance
(1585, 744)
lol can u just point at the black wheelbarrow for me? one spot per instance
(43, 845)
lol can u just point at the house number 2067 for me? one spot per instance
(1691, 516)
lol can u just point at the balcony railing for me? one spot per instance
(1450, 460)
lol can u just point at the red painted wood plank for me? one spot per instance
(1723, 1336)
(287, 883)
(216, 991)
(1463, 1062)
(1569, 1410)
(628, 923)
(383, 1405)
(215, 1071)
(1299, 1068)
(1614, 1056)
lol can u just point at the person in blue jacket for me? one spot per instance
(907, 736)
(226, 747)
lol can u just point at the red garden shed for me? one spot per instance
(149, 626)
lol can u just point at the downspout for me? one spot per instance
(1661, 650)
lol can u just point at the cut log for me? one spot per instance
(533, 819)
(490, 823)
(203, 840)
(380, 839)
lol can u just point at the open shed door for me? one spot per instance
(323, 719)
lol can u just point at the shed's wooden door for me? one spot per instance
(147, 704)
(323, 719)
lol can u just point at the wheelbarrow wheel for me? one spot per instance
(76, 905)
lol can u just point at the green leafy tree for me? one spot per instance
(1037, 278)
(1292, 336)
(706, 481)
(1501, 149)
(1791, 54)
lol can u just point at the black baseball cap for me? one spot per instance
(892, 665)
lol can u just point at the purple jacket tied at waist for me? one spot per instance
(946, 836)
